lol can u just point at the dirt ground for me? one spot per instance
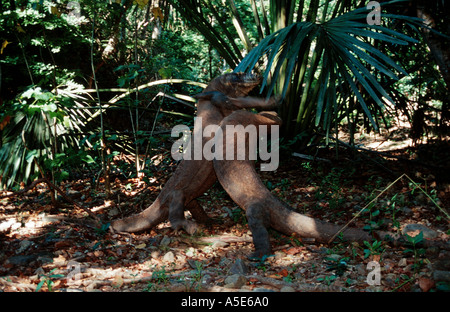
(45, 248)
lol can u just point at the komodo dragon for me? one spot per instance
(222, 96)
(263, 209)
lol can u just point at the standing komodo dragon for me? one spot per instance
(222, 96)
(223, 102)
(263, 209)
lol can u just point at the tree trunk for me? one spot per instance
(440, 49)
(439, 46)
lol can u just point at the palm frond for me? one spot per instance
(339, 49)
(36, 133)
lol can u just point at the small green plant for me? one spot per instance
(307, 166)
(392, 206)
(159, 280)
(374, 222)
(48, 279)
(193, 279)
(161, 276)
(103, 229)
(374, 248)
(261, 262)
(354, 250)
(414, 241)
(294, 240)
(237, 215)
(404, 279)
(374, 185)
(288, 279)
(284, 184)
(197, 276)
(327, 279)
(331, 188)
(338, 265)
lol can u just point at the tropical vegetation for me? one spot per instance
(83, 81)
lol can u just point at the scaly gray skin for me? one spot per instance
(193, 178)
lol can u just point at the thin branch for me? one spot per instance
(105, 166)
(381, 193)
(25, 58)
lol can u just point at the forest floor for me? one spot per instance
(44, 247)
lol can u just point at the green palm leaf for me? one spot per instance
(29, 136)
(342, 53)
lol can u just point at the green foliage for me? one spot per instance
(160, 279)
(327, 280)
(414, 242)
(38, 137)
(374, 248)
(237, 215)
(339, 67)
(324, 58)
(331, 188)
(40, 93)
(48, 115)
(260, 262)
(337, 265)
(48, 280)
(331, 67)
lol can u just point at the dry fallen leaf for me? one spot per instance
(63, 244)
(284, 273)
(426, 283)
(117, 281)
(376, 258)
(294, 250)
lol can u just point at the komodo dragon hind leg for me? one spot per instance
(176, 214)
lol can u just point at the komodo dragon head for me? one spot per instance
(234, 84)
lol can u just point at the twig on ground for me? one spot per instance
(378, 196)
(309, 157)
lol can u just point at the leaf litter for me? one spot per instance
(46, 247)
